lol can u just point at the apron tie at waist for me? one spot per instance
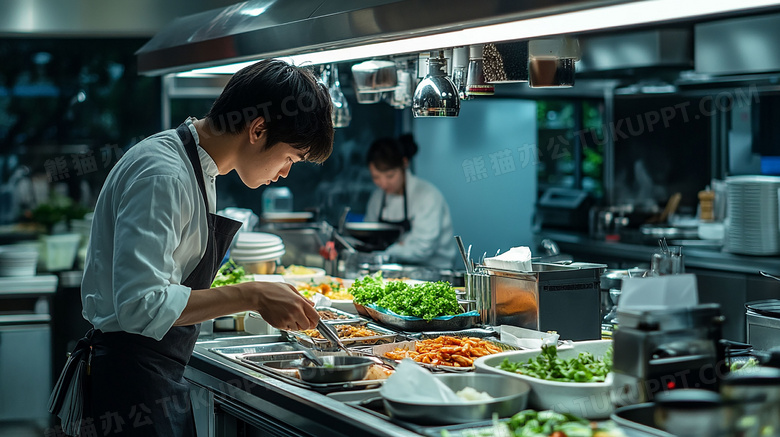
(66, 399)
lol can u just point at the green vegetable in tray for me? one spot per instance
(231, 273)
(547, 423)
(426, 300)
(368, 290)
(744, 366)
(547, 365)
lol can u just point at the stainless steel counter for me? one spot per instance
(25, 348)
(576, 243)
(229, 396)
(724, 278)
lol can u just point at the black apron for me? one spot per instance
(406, 224)
(135, 384)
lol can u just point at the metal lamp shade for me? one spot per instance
(436, 95)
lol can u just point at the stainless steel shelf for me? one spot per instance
(40, 284)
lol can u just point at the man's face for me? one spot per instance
(263, 166)
(390, 181)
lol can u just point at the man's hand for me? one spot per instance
(281, 305)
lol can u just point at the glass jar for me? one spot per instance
(277, 199)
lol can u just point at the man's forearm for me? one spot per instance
(213, 302)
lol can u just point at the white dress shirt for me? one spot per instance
(148, 234)
(430, 241)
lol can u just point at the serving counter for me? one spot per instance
(230, 399)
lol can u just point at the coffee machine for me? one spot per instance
(666, 349)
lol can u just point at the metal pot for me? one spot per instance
(335, 368)
(375, 76)
(693, 412)
(374, 235)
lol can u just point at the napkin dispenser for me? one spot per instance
(550, 297)
(657, 350)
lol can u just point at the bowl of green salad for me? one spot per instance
(574, 379)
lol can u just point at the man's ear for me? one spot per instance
(256, 129)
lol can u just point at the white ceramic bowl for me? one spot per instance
(590, 400)
(317, 276)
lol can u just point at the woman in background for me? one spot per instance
(413, 203)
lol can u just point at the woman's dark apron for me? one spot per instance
(134, 384)
(406, 224)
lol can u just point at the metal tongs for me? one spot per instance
(664, 246)
(331, 335)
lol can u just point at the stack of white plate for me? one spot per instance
(753, 223)
(251, 247)
(18, 261)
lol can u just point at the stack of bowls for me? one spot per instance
(18, 261)
(257, 252)
(753, 223)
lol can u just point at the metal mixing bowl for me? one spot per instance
(510, 396)
(336, 368)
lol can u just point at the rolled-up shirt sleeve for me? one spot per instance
(150, 216)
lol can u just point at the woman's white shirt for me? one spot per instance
(148, 234)
(430, 239)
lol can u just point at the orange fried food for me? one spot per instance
(447, 351)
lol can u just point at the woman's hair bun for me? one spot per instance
(408, 146)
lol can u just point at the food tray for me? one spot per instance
(380, 350)
(370, 401)
(482, 333)
(385, 336)
(348, 317)
(281, 368)
(416, 324)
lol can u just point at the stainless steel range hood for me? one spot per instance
(258, 29)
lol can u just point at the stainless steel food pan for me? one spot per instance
(509, 396)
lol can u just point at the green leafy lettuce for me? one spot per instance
(584, 368)
(231, 273)
(426, 300)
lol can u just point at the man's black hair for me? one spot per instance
(296, 108)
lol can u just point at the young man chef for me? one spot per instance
(156, 245)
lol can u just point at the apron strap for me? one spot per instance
(67, 398)
(192, 152)
(405, 222)
(382, 205)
